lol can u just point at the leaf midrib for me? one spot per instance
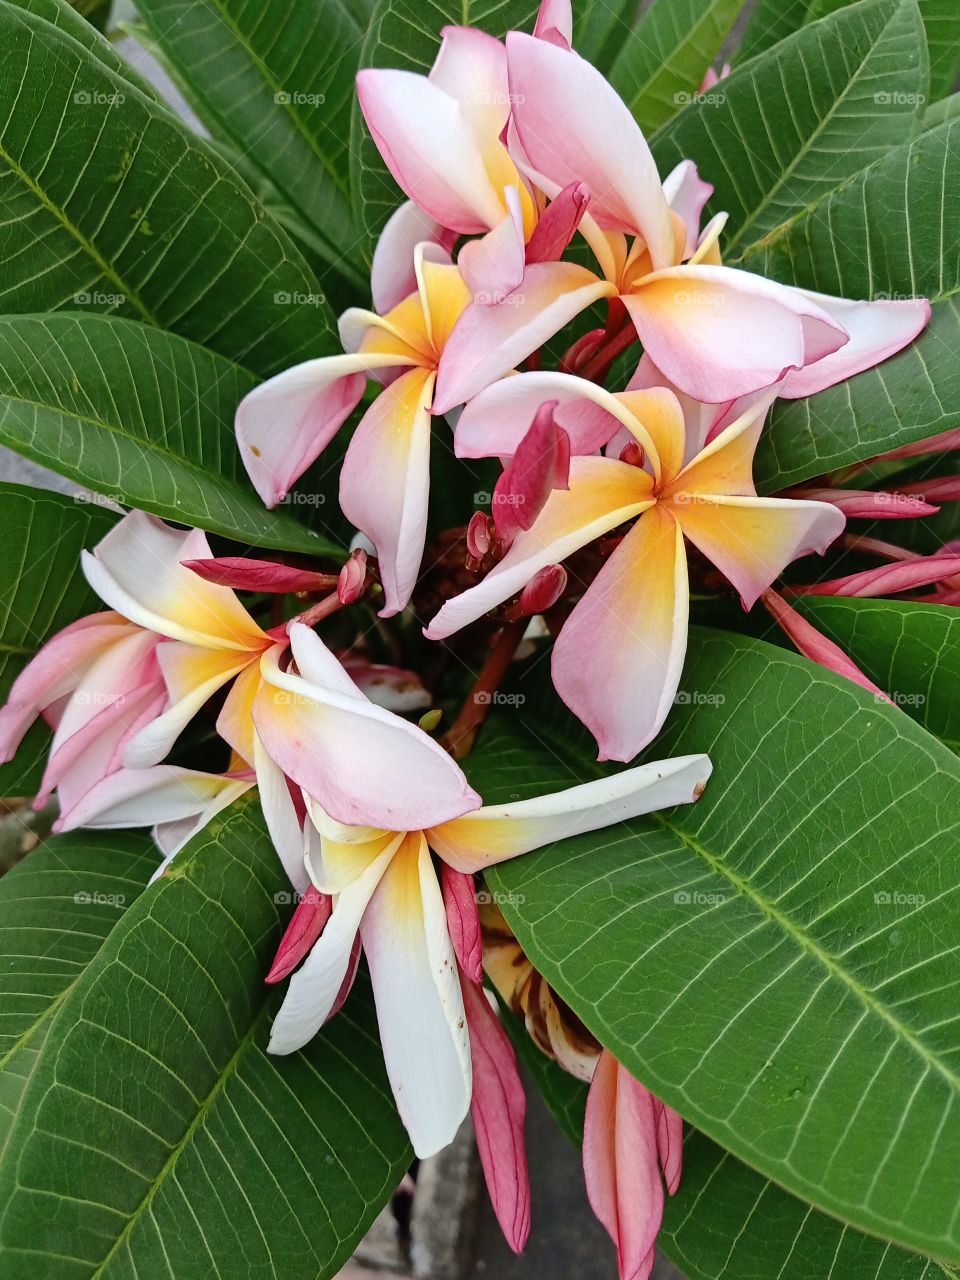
(666, 66)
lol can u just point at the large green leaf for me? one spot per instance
(778, 962)
(599, 29)
(939, 112)
(406, 35)
(911, 651)
(770, 22)
(41, 590)
(57, 909)
(891, 233)
(792, 124)
(662, 60)
(140, 415)
(157, 1136)
(276, 77)
(110, 204)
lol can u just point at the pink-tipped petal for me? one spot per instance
(243, 573)
(621, 1165)
(431, 148)
(493, 265)
(555, 23)
(889, 579)
(686, 194)
(471, 67)
(284, 425)
(574, 128)
(142, 797)
(498, 1108)
(700, 419)
(488, 342)
(385, 482)
(868, 504)
(540, 465)
(463, 920)
(719, 333)
(392, 274)
(877, 331)
(494, 422)
(558, 223)
(813, 644)
(307, 924)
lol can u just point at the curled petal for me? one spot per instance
(463, 920)
(392, 275)
(558, 223)
(555, 23)
(493, 265)
(494, 422)
(686, 193)
(813, 644)
(312, 913)
(540, 465)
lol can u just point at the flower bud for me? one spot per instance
(479, 535)
(543, 590)
(352, 578)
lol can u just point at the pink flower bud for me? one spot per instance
(353, 577)
(479, 535)
(245, 574)
(632, 454)
(543, 590)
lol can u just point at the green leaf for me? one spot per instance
(910, 651)
(890, 233)
(663, 59)
(940, 112)
(404, 36)
(57, 909)
(777, 962)
(940, 21)
(108, 203)
(140, 415)
(789, 126)
(770, 22)
(598, 30)
(157, 1132)
(96, 12)
(41, 591)
(276, 78)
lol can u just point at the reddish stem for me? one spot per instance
(460, 737)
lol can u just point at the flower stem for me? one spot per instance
(460, 738)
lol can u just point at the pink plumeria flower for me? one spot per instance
(283, 425)
(618, 659)
(387, 892)
(715, 331)
(632, 1145)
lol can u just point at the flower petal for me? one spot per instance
(719, 333)
(385, 482)
(305, 927)
(575, 128)
(314, 988)
(463, 921)
(416, 985)
(699, 417)
(498, 832)
(364, 765)
(633, 620)
(498, 1107)
(280, 815)
(603, 493)
(555, 22)
(392, 277)
(686, 193)
(494, 422)
(877, 331)
(558, 223)
(489, 341)
(540, 465)
(163, 793)
(137, 570)
(493, 265)
(283, 425)
(244, 573)
(813, 644)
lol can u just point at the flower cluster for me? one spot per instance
(519, 163)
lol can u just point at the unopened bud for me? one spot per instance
(430, 719)
(479, 535)
(352, 578)
(632, 454)
(543, 590)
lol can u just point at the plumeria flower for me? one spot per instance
(619, 656)
(283, 425)
(387, 893)
(715, 331)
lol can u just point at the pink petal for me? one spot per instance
(488, 342)
(868, 504)
(558, 223)
(391, 687)
(246, 574)
(463, 920)
(471, 67)
(353, 577)
(574, 128)
(669, 1144)
(498, 1109)
(312, 913)
(877, 331)
(888, 579)
(543, 590)
(686, 194)
(942, 489)
(430, 147)
(385, 482)
(555, 23)
(700, 419)
(285, 424)
(620, 1165)
(719, 333)
(945, 442)
(392, 274)
(814, 645)
(540, 465)
(493, 265)
(494, 422)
